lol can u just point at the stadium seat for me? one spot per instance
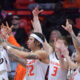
(71, 4)
(77, 25)
(22, 4)
(26, 25)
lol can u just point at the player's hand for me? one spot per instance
(68, 26)
(9, 29)
(64, 51)
(36, 11)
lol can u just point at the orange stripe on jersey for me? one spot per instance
(31, 62)
(20, 72)
(55, 63)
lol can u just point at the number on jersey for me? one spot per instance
(31, 67)
(55, 69)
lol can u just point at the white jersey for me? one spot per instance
(76, 75)
(36, 70)
(55, 72)
(4, 64)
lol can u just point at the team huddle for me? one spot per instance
(43, 61)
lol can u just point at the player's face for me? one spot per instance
(30, 43)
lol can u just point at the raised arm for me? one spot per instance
(36, 23)
(68, 28)
(37, 28)
(40, 54)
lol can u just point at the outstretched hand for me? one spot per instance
(9, 29)
(5, 31)
(36, 11)
(61, 47)
(64, 51)
(35, 22)
(68, 26)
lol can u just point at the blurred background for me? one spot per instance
(19, 14)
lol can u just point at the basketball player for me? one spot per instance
(4, 64)
(55, 71)
(36, 68)
(74, 66)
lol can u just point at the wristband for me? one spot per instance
(8, 47)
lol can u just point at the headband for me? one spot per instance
(37, 38)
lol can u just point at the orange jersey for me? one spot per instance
(13, 41)
(20, 70)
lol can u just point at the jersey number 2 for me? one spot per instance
(30, 71)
